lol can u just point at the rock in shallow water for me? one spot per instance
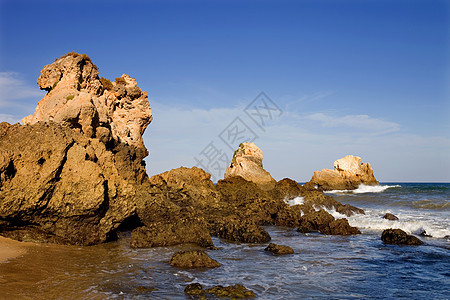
(192, 259)
(391, 217)
(399, 237)
(279, 249)
(232, 291)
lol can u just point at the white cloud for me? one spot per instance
(363, 123)
(13, 88)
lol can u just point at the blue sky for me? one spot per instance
(368, 78)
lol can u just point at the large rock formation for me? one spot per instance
(247, 163)
(79, 99)
(349, 172)
(74, 172)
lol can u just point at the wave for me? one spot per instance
(296, 201)
(411, 224)
(364, 189)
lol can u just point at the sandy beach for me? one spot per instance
(10, 249)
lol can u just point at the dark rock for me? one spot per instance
(194, 289)
(399, 237)
(391, 217)
(169, 234)
(279, 249)
(340, 227)
(315, 221)
(232, 291)
(349, 210)
(192, 259)
(238, 230)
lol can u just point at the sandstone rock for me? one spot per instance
(279, 249)
(399, 237)
(389, 216)
(348, 174)
(247, 163)
(192, 259)
(77, 98)
(58, 182)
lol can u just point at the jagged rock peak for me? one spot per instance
(76, 97)
(247, 163)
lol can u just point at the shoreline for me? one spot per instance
(10, 249)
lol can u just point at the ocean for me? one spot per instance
(330, 267)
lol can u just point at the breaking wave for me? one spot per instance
(365, 189)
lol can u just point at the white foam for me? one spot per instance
(296, 201)
(364, 189)
(408, 222)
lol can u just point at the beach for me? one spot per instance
(10, 249)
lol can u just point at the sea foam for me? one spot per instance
(364, 189)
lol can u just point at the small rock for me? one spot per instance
(192, 259)
(391, 217)
(342, 227)
(399, 237)
(194, 289)
(279, 249)
(232, 291)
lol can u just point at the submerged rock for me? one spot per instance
(194, 289)
(349, 172)
(247, 163)
(279, 249)
(399, 237)
(192, 259)
(391, 217)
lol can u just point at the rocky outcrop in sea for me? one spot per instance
(348, 173)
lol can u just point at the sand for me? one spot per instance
(10, 249)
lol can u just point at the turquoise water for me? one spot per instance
(355, 267)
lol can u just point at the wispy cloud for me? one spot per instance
(13, 88)
(364, 123)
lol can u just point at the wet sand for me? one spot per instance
(10, 249)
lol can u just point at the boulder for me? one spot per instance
(192, 259)
(232, 291)
(238, 230)
(340, 227)
(389, 216)
(279, 249)
(74, 172)
(349, 172)
(399, 237)
(247, 163)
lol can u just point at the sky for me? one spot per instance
(308, 81)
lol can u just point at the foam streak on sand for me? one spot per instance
(364, 189)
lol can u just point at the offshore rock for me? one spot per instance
(192, 259)
(70, 175)
(399, 237)
(247, 163)
(391, 217)
(279, 249)
(349, 172)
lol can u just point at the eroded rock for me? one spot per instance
(349, 172)
(247, 163)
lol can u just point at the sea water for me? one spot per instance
(337, 267)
